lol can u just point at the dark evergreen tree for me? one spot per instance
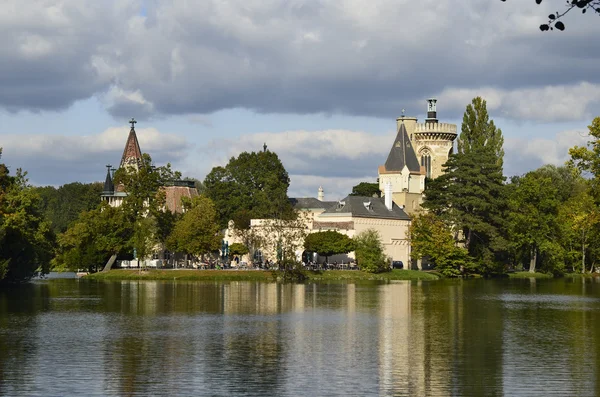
(470, 195)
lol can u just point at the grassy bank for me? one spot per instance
(256, 275)
(529, 275)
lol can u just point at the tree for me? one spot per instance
(587, 159)
(431, 238)
(95, 237)
(62, 206)
(554, 19)
(470, 195)
(328, 243)
(369, 252)
(197, 232)
(238, 249)
(533, 212)
(282, 240)
(366, 189)
(146, 199)
(580, 215)
(26, 240)
(254, 182)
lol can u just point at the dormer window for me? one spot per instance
(368, 205)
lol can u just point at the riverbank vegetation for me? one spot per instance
(258, 275)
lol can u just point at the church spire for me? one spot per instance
(109, 187)
(132, 155)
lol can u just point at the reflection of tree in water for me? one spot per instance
(457, 339)
(248, 357)
(19, 307)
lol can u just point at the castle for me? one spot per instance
(419, 151)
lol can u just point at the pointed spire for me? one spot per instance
(132, 155)
(402, 153)
(109, 187)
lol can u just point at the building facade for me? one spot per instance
(419, 151)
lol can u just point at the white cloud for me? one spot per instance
(334, 159)
(547, 103)
(59, 159)
(523, 155)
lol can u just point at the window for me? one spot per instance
(426, 162)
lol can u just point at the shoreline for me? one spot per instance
(268, 276)
(256, 275)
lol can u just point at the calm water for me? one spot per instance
(457, 338)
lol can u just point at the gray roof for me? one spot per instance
(402, 153)
(306, 203)
(357, 206)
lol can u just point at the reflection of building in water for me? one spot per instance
(396, 342)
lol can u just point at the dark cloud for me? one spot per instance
(298, 57)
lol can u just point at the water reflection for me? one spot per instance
(520, 337)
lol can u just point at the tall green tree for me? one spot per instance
(26, 239)
(369, 251)
(470, 195)
(534, 203)
(328, 243)
(197, 232)
(579, 218)
(254, 182)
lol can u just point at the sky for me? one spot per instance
(321, 82)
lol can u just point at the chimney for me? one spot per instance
(321, 194)
(387, 195)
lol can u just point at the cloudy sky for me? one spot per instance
(320, 81)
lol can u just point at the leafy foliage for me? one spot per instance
(62, 206)
(533, 216)
(587, 159)
(238, 249)
(26, 239)
(94, 237)
(197, 232)
(370, 254)
(366, 189)
(253, 182)
(554, 18)
(431, 238)
(328, 243)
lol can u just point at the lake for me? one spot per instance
(70, 337)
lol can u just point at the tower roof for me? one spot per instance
(132, 155)
(402, 154)
(109, 187)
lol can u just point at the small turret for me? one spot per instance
(109, 187)
(321, 194)
(431, 111)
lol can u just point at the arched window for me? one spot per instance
(426, 162)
